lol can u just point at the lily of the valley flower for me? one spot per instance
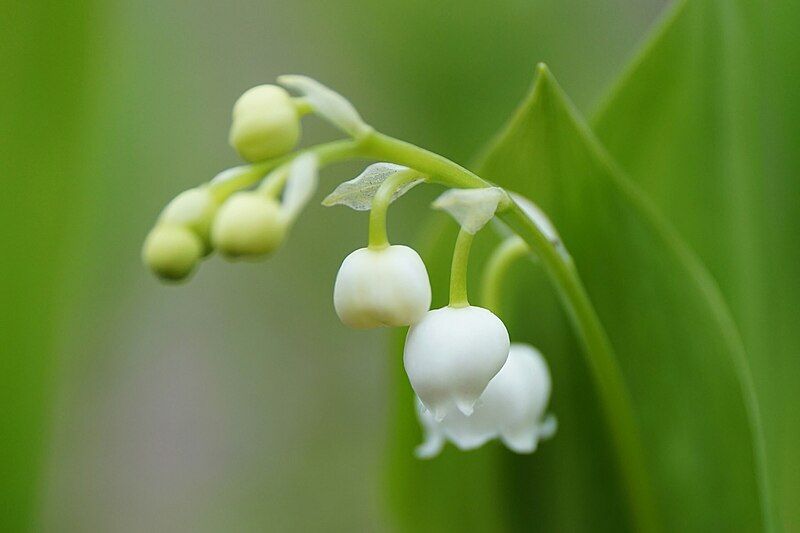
(511, 408)
(451, 355)
(266, 123)
(384, 287)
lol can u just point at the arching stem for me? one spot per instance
(458, 270)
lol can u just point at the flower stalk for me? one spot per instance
(458, 269)
(378, 237)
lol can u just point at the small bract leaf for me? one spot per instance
(301, 184)
(358, 192)
(327, 103)
(472, 208)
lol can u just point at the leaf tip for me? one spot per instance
(542, 69)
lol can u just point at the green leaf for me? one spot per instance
(715, 155)
(674, 339)
(666, 319)
(43, 94)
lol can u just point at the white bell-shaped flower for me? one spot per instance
(384, 287)
(266, 123)
(512, 408)
(451, 355)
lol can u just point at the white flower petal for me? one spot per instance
(433, 436)
(548, 427)
(521, 440)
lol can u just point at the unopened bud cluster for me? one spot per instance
(247, 224)
(471, 383)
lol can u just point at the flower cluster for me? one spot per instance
(471, 383)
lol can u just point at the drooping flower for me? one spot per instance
(512, 408)
(451, 355)
(266, 123)
(384, 287)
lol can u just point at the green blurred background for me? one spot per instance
(237, 401)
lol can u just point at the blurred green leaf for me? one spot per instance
(40, 91)
(713, 84)
(674, 338)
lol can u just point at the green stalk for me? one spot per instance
(251, 174)
(511, 249)
(378, 238)
(458, 270)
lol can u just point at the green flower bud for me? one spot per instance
(266, 123)
(172, 251)
(248, 224)
(193, 209)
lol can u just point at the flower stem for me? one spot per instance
(506, 253)
(458, 270)
(378, 237)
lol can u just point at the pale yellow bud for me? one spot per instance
(193, 209)
(266, 123)
(172, 251)
(248, 225)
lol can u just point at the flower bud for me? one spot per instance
(172, 251)
(387, 287)
(511, 408)
(194, 209)
(452, 354)
(266, 123)
(248, 224)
